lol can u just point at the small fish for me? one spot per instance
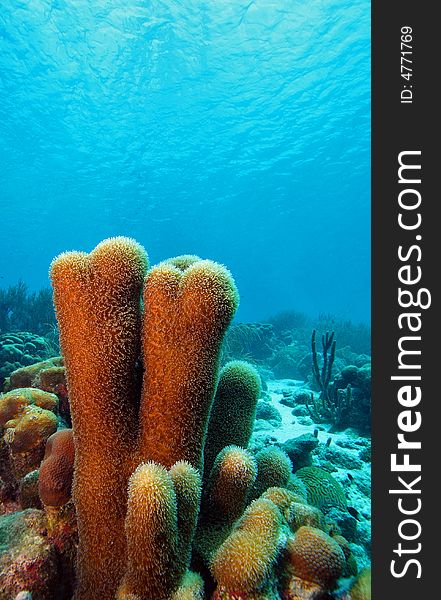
(352, 511)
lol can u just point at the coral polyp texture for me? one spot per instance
(159, 491)
(97, 299)
(232, 418)
(231, 478)
(186, 313)
(274, 469)
(30, 376)
(243, 563)
(20, 348)
(151, 516)
(13, 403)
(49, 376)
(361, 587)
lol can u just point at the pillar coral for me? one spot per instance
(188, 304)
(274, 469)
(228, 487)
(234, 410)
(161, 505)
(243, 563)
(188, 307)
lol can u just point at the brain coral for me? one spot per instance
(297, 486)
(56, 471)
(315, 557)
(324, 491)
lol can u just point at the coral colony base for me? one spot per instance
(163, 488)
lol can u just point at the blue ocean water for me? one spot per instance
(237, 130)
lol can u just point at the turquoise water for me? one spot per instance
(236, 130)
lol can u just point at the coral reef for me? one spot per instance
(273, 470)
(305, 515)
(161, 506)
(283, 343)
(286, 361)
(28, 495)
(15, 402)
(249, 341)
(361, 588)
(267, 412)
(36, 375)
(48, 375)
(231, 479)
(172, 497)
(27, 560)
(299, 450)
(358, 380)
(36, 558)
(338, 402)
(331, 404)
(245, 560)
(19, 349)
(294, 325)
(101, 365)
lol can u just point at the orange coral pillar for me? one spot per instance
(97, 298)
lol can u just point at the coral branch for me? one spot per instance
(188, 308)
